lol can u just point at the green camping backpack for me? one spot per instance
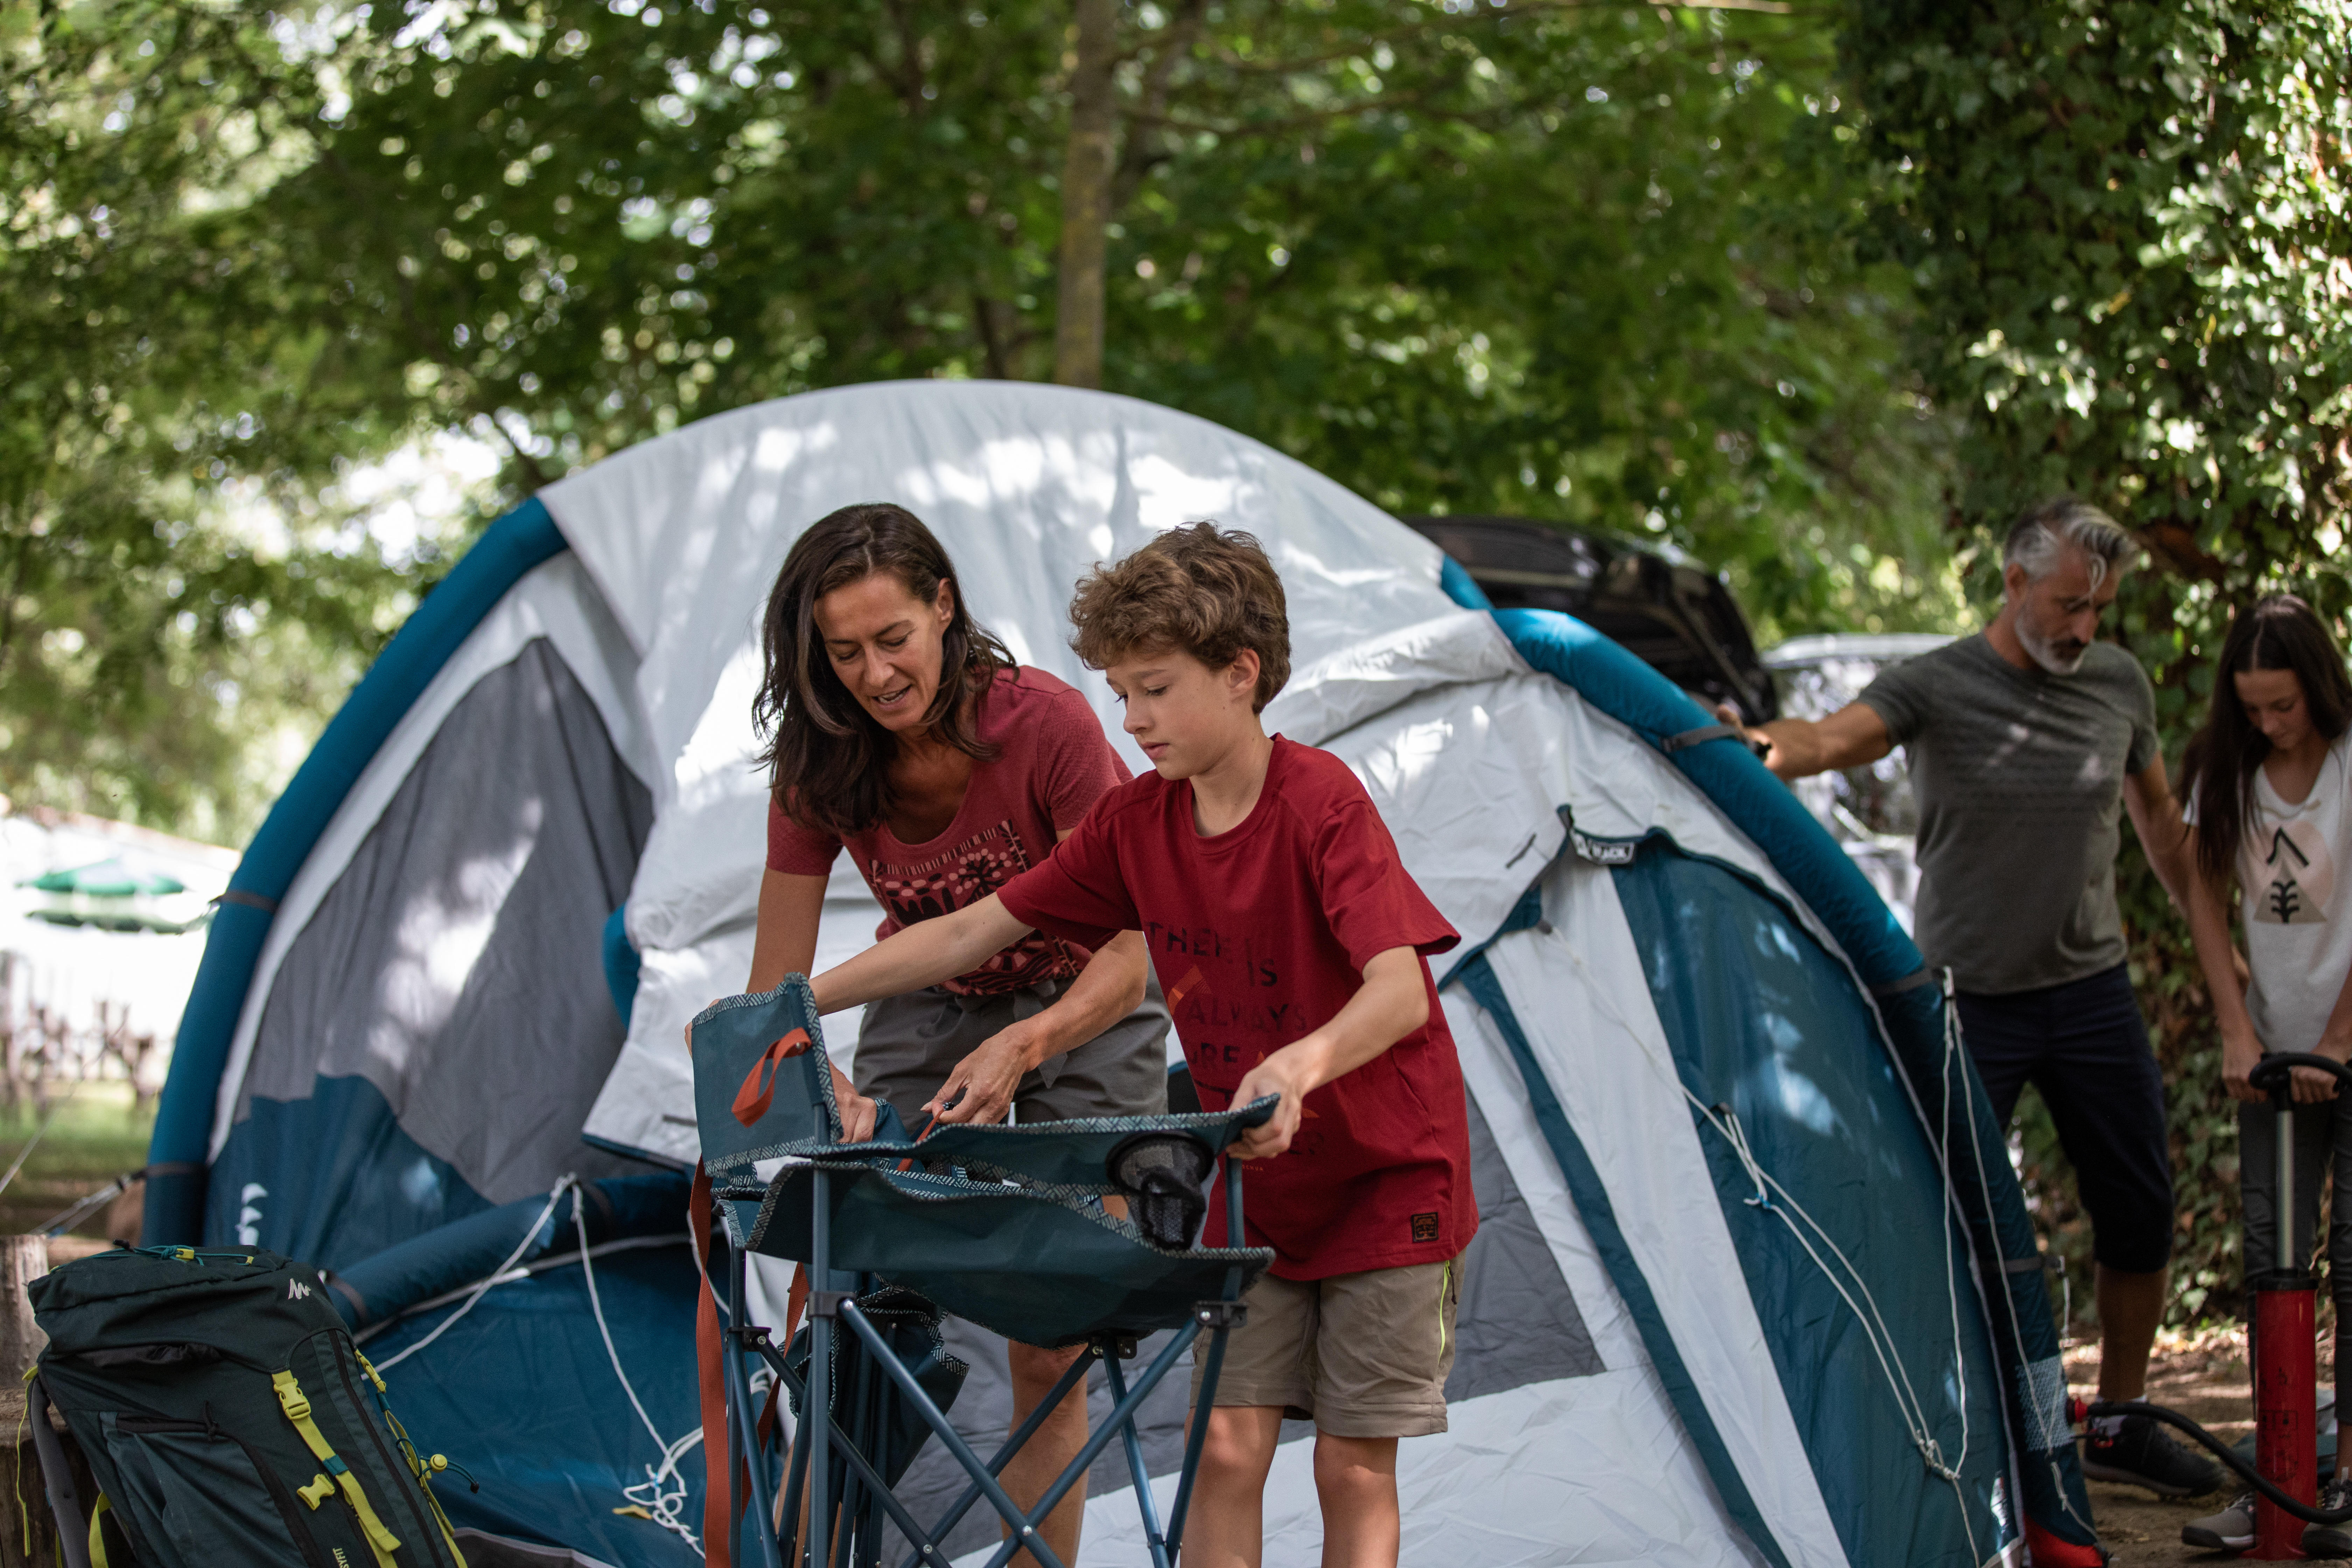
(227, 1418)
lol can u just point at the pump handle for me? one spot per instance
(2271, 1075)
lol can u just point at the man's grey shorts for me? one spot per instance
(907, 1045)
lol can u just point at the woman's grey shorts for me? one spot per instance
(907, 1045)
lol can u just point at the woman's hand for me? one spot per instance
(982, 1087)
(858, 1113)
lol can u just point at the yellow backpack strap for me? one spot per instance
(96, 1535)
(297, 1406)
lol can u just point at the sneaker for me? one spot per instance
(2330, 1539)
(2140, 1453)
(2232, 1530)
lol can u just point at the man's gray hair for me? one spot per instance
(2047, 529)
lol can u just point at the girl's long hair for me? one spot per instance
(2278, 631)
(828, 762)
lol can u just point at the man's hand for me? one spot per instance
(1799, 748)
(1281, 1073)
(987, 1079)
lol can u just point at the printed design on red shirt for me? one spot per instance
(958, 878)
(2298, 876)
(1275, 1023)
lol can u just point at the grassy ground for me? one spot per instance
(96, 1137)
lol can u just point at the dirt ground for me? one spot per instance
(2204, 1379)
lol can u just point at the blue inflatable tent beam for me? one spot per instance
(177, 1152)
(2007, 1255)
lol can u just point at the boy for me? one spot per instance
(1290, 944)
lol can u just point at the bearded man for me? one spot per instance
(2024, 741)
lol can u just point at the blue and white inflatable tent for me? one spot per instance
(1754, 1283)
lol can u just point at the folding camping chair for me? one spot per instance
(1003, 1226)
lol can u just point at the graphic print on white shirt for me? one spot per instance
(2298, 876)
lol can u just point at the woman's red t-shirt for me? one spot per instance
(1259, 936)
(1053, 763)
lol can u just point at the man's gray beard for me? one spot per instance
(2038, 649)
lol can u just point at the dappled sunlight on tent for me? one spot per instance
(440, 932)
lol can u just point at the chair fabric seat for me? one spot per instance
(1041, 1264)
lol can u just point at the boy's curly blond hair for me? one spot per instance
(1208, 591)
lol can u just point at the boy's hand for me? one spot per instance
(1279, 1074)
(988, 1079)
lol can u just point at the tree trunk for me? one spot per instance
(1086, 197)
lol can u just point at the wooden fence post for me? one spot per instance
(23, 1260)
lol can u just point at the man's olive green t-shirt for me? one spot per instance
(2020, 777)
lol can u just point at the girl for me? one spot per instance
(2269, 786)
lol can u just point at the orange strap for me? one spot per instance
(908, 1162)
(718, 1509)
(759, 1088)
(792, 1309)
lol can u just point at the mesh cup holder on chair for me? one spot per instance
(1159, 1174)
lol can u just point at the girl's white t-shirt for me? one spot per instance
(2298, 910)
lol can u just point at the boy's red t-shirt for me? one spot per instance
(1053, 763)
(1259, 936)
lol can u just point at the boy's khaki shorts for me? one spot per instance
(1360, 1355)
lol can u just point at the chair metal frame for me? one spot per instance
(854, 1540)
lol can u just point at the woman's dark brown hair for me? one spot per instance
(2279, 631)
(828, 762)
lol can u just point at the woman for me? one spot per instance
(898, 728)
(2270, 785)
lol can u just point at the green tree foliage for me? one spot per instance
(1577, 264)
(2128, 226)
(1590, 262)
(148, 384)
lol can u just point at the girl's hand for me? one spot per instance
(2313, 1087)
(2240, 1054)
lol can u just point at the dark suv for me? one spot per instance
(1666, 609)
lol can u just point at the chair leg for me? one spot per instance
(796, 1481)
(1122, 1417)
(1146, 1505)
(1003, 1456)
(823, 1305)
(788, 1508)
(744, 1455)
(1195, 1436)
(1025, 1527)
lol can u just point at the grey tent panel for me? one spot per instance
(458, 960)
(1519, 1324)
